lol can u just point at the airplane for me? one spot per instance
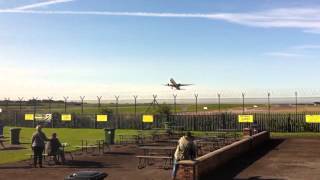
(175, 85)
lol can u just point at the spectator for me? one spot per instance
(54, 149)
(38, 145)
(186, 150)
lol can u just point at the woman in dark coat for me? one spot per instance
(54, 149)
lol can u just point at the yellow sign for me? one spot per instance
(65, 117)
(245, 118)
(313, 118)
(28, 117)
(102, 118)
(147, 118)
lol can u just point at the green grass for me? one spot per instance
(294, 135)
(70, 136)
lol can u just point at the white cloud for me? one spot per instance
(301, 18)
(41, 4)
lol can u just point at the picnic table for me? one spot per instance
(84, 146)
(1, 143)
(152, 153)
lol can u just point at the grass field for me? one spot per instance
(70, 136)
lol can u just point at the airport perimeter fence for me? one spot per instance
(274, 122)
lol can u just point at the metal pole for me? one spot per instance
(219, 107)
(49, 102)
(99, 102)
(243, 102)
(296, 95)
(175, 103)
(7, 103)
(34, 110)
(65, 103)
(20, 103)
(135, 105)
(82, 98)
(117, 110)
(269, 106)
(196, 96)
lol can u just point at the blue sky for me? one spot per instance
(117, 47)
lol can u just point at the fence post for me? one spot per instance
(243, 94)
(196, 96)
(65, 103)
(82, 98)
(219, 107)
(117, 112)
(34, 110)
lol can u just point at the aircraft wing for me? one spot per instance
(185, 84)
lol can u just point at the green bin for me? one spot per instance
(109, 135)
(15, 135)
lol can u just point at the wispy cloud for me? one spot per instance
(306, 47)
(41, 4)
(306, 19)
(284, 54)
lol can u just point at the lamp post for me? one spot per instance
(117, 110)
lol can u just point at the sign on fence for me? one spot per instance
(28, 117)
(102, 118)
(312, 118)
(245, 118)
(66, 117)
(147, 118)
(43, 117)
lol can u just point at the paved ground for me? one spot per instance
(120, 164)
(281, 159)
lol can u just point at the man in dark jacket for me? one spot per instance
(53, 149)
(38, 145)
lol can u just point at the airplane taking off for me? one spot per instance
(173, 84)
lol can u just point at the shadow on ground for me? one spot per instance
(235, 166)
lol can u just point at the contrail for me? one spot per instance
(36, 5)
(300, 18)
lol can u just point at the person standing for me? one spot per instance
(186, 150)
(38, 145)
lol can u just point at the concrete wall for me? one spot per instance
(194, 170)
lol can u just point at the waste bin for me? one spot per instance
(87, 175)
(109, 135)
(15, 135)
(1, 129)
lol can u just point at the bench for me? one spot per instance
(147, 160)
(44, 157)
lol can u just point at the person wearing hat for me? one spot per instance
(38, 145)
(186, 150)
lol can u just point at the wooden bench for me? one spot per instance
(147, 160)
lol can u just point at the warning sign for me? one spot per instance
(245, 118)
(147, 118)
